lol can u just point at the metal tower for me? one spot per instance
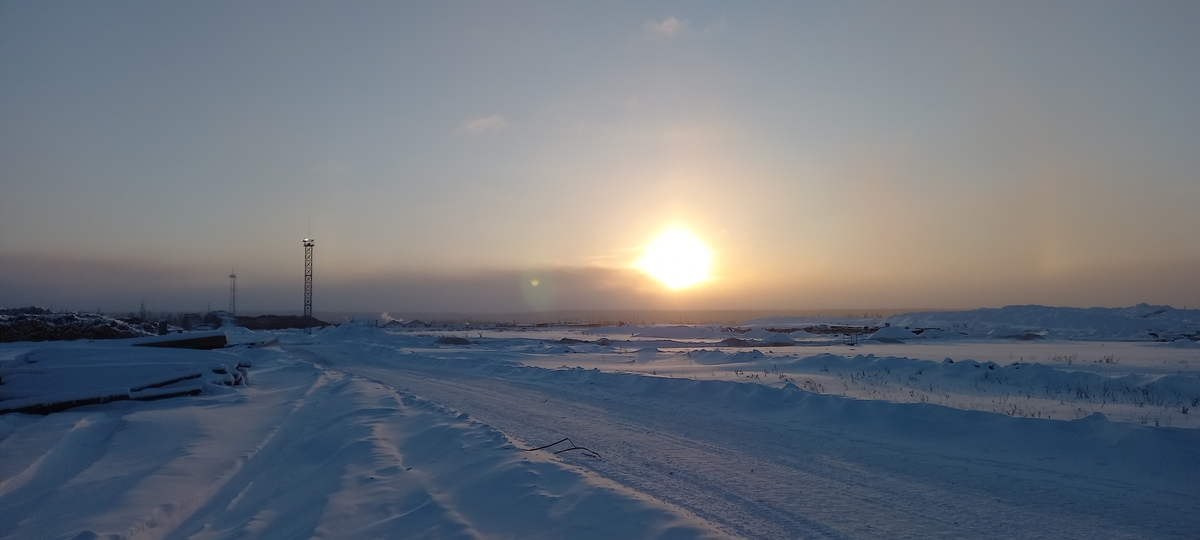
(232, 293)
(308, 247)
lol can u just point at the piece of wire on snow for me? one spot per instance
(573, 447)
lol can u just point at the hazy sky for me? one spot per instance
(943, 154)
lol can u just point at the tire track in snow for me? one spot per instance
(745, 493)
(284, 485)
(521, 413)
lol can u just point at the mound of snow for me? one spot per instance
(758, 333)
(707, 357)
(1042, 389)
(550, 349)
(1008, 332)
(935, 333)
(713, 358)
(647, 354)
(735, 342)
(768, 337)
(892, 334)
(350, 331)
(43, 381)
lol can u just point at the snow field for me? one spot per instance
(358, 431)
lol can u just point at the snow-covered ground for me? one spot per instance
(357, 431)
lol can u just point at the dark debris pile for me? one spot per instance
(40, 324)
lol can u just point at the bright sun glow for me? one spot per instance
(677, 259)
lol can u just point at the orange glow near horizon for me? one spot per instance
(677, 259)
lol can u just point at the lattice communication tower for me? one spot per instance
(232, 293)
(308, 248)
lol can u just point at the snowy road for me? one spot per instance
(767, 463)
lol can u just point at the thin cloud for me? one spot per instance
(485, 124)
(669, 27)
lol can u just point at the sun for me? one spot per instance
(677, 259)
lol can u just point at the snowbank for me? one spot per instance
(892, 334)
(713, 358)
(46, 380)
(772, 339)
(935, 333)
(1019, 379)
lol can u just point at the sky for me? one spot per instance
(445, 156)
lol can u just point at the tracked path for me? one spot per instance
(764, 476)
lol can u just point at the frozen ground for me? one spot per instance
(362, 432)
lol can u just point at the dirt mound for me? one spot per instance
(39, 324)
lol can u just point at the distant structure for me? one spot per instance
(232, 293)
(308, 248)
